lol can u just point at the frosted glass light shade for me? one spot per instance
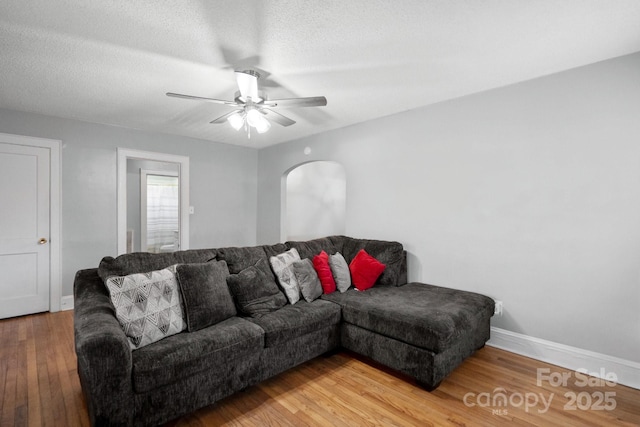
(253, 117)
(258, 121)
(263, 126)
(236, 121)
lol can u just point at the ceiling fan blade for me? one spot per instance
(224, 117)
(277, 117)
(199, 98)
(313, 101)
(248, 84)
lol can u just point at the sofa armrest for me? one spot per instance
(103, 352)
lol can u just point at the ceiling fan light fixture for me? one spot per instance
(253, 109)
(236, 121)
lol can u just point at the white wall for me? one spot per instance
(529, 194)
(222, 177)
(315, 201)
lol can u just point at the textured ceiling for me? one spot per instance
(112, 61)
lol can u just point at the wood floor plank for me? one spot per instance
(10, 345)
(57, 402)
(39, 386)
(43, 344)
(33, 397)
(4, 358)
(22, 403)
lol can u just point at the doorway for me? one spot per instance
(29, 225)
(165, 178)
(159, 211)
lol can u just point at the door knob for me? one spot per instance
(42, 241)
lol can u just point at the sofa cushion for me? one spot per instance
(293, 321)
(282, 265)
(273, 250)
(238, 259)
(391, 254)
(307, 279)
(309, 248)
(143, 262)
(340, 271)
(148, 305)
(425, 316)
(365, 270)
(321, 265)
(210, 351)
(205, 294)
(255, 291)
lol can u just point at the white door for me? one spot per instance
(24, 229)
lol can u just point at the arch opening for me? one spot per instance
(315, 201)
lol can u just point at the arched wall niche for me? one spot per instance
(314, 200)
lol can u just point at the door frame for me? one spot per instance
(183, 163)
(55, 205)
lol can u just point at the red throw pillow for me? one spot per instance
(365, 270)
(321, 265)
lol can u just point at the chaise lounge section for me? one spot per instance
(422, 330)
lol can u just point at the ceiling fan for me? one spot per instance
(252, 108)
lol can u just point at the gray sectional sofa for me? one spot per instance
(422, 330)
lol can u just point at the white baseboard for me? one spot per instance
(66, 303)
(626, 371)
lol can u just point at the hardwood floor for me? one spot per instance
(39, 386)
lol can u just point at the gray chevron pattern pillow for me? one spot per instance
(148, 305)
(282, 266)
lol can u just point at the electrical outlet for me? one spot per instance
(498, 309)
